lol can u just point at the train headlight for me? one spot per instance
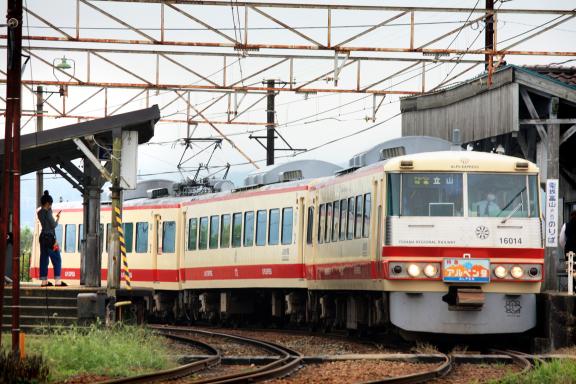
(500, 272)
(414, 270)
(516, 272)
(430, 270)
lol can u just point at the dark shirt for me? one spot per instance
(47, 221)
(570, 233)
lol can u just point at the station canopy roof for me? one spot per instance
(44, 149)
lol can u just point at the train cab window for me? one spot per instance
(336, 225)
(237, 229)
(500, 195)
(142, 237)
(321, 223)
(310, 228)
(329, 222)
(287, 223)
(249, 229)
(533, 195)
(214, 229)
(192, 233)
(359, 217)
(393, 201)
(80, 236)
(343, 218)
(128, 229)
(225, 231)
(169, 237)
(351, 216)
(367, 212)
(274, 227)
(70, 240)
(431, 194)
(203, 235)
(261, 227)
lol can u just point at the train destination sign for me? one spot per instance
(466, 270)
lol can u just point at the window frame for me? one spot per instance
(261, 227)
(359, 216)
(171, 224)
(69, 248)
(351, 220)
(223, 233)
(248, 229)
(283, 230)
(367, 215)
(203, 233)
(274, 227)
(335, 220)
(321, 223)
(138, 242)
(214, 242)
(189, 232)
(310, 226)
(240, 232)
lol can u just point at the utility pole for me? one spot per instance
(552, 172)
(10, 209)
(489, 32)
(270, 124)
(39, 128)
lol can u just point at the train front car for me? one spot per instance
(463, 249)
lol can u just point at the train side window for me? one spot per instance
(237, 229)
(274, 227)
(367, 212)
(287, 223)
(108, 236)
(70, 240)
(142, 237)
(80, 236)
(58, 231)
(225, 232)
(329, 222)
(214, 229)
(203, 236)
(169, 237)
(261, 227)
(321, 223)
(351, 217)
(343, 218)
(336, 226)
(100, 235)
(128, 229)
(359, 217)
(192, 233)
(310, 228)
(249, 229)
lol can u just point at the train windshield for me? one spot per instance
(442, 194)
(427, 194)
(498, 195)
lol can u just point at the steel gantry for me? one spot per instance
(187, 47)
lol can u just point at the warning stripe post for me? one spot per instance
(127, 277)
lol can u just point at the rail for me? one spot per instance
(289, 360)
(421, 377)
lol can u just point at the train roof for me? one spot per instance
(465, 161)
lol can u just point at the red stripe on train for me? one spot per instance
(475, 253)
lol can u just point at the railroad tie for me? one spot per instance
(127, 277)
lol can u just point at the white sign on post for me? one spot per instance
(551, 230)
(129, 160)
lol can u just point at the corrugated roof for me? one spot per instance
(566, 75)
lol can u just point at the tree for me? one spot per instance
(26, 238)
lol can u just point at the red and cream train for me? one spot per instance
(442, 242)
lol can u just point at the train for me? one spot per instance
(412, 235)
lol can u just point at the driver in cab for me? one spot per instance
(487, 207)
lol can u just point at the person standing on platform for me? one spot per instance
(49, 249)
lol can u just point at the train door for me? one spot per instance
(156, 246)
(378, 192)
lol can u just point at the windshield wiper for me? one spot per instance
(511, 213)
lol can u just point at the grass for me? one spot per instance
(115, 352)
(556, 371)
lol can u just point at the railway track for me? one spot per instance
(288, 359)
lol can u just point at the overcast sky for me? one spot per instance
(305, 122)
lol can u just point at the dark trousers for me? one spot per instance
(46, 255)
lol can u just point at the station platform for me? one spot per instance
(557, 321)
(43, 307)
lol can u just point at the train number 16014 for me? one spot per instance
(510, 240)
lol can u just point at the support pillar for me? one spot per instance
(39, 128)
(270, 123)
(114, 262)
(553, 172)
(91, 260)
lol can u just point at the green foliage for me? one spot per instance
(31, 369)
(26, 238)
(117, 351)
(555, 371)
